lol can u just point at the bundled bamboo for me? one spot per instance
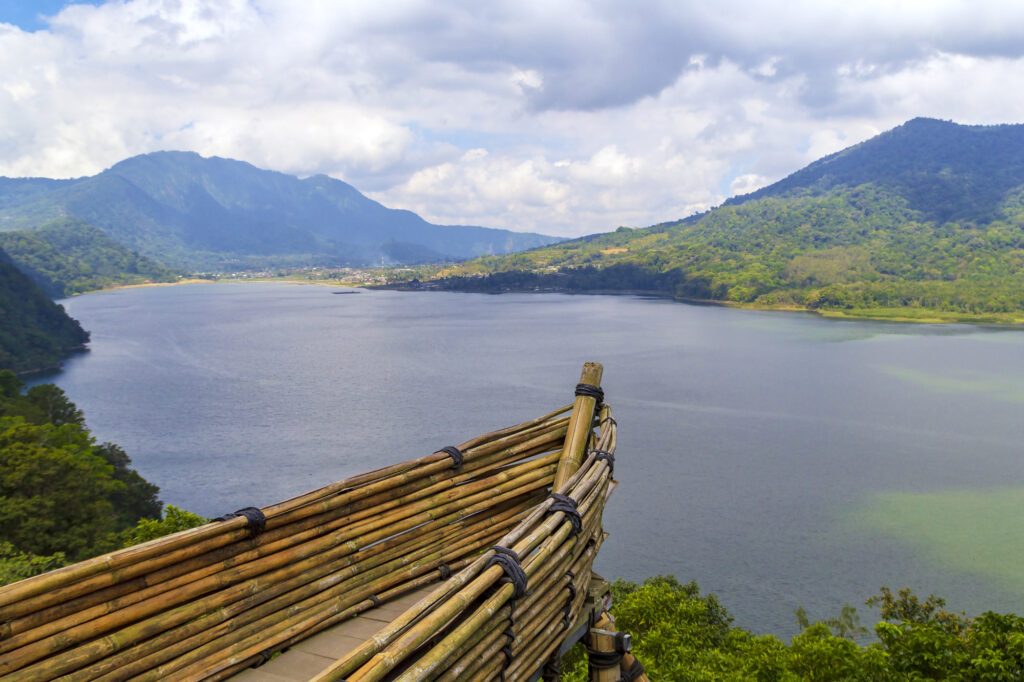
(458, 631)
(507, 524)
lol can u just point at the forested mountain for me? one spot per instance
(184, 210)
(68, 256)
(35, 332)
(926, 217)
(946, 172)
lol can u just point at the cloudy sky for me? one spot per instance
(563, 117)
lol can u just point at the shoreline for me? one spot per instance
(894, 315)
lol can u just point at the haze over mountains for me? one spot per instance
(929, 215)
(187, 211)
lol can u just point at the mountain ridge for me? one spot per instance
(186, 210)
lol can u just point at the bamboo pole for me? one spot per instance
(580, 425)
(346, 577)
(20, 598)
(289, 563)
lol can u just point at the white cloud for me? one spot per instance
(569, 117)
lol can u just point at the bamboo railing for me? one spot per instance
(508, 525)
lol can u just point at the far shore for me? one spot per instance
(899, 315)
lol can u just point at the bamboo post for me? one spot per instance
(602, 641)
(580, 424)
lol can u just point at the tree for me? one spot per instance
(54, 491)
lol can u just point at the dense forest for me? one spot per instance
(35, 332)
(63, 496)
(928, 217)
(69, 256)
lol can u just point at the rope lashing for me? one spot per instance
(634, 672)
(567, 505)
(603, 660)
(510, 563)
(454, 453)
(375, 599)
(256, 522)
(446, 571)
(591, 391)
(605, 455)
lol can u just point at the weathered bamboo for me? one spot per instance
(337, 545)
(24, 596)
(580, 424)
(597, 497)
(242, 642)
(225, 621)
(433, 658)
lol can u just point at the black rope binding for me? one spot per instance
(454, 453)
(567, 505)
(607, 456)
(446, 571)
(591, 391)
(603, 660)
(509, 562)
(256, 522)
(566, 617)
(264, 656)
(634, 672)
(609, 419)
(375, 599)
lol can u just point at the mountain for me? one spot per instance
(928, 216)
(946, 171)
(184, 210)
(69, 256)
(35, 332)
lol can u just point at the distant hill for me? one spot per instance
(69, 256)
(35, 332)
(926, 217)
(184, 210)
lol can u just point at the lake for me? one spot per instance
(780, 459)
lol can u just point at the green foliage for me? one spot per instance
(63, 497)
(680, 635)
(17, 565)
(68, 256)
(35, 332)
(174, 519)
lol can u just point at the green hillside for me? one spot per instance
(925, 221)
(35, 332)
(69, 256)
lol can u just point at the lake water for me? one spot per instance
(779, 459)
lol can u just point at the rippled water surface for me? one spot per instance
(779, 459)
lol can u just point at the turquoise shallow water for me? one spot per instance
(751, 443)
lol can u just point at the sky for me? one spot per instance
(556, 116)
